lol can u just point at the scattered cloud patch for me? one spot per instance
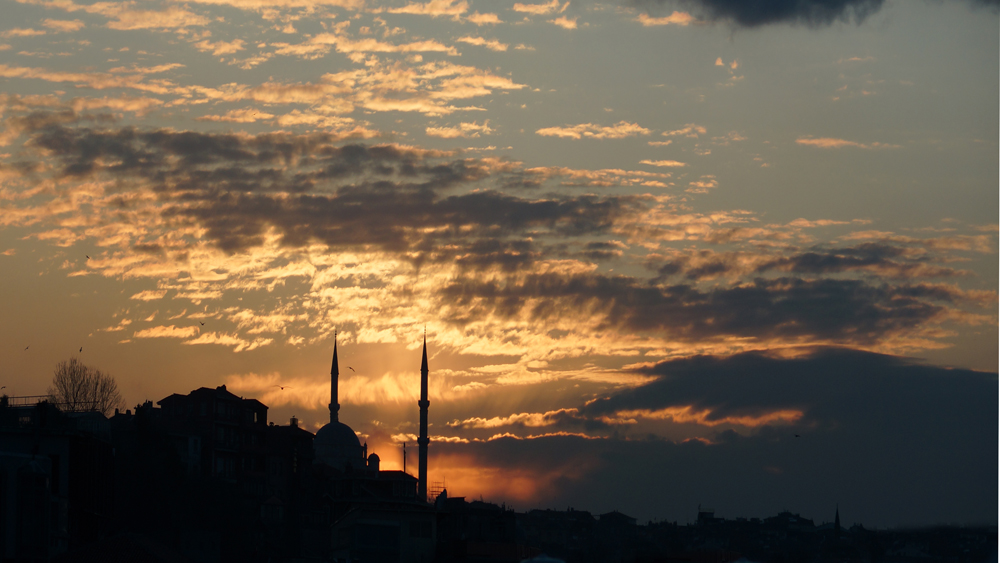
(491, 44)
(834, 143)
(620, 130)
(663, 163)
(676, 18)
(564, 22)
(541, 9)
(464, 130)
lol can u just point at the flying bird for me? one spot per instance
(81, 348)
(797, 436)
(28, 346)
(282, 387)
(202, 324)
(352, 369)
(88, 256)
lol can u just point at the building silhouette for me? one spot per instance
(205, 477)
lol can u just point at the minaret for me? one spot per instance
(334, 383)
(423, 440)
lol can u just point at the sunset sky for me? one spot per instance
(650, 241)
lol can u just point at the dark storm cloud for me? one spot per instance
(884, 259)
(311, 188)
(824, 385)
(851, 311)
(756, 13)
(399, 218)
(892, 441)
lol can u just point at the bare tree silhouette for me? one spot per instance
(77, 387)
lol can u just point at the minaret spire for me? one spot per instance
(423, 440)
(334, 383)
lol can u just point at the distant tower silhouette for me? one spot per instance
(334, 383)
(836, 523)
(423, 440)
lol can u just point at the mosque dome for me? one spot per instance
(337, 445)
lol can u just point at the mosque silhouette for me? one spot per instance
(206, 478)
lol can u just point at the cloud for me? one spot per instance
(238, 186)
(483, 19)
(495, 245)
(756, 13)
(690, 130)
(22, 32)
(64, 26)
(465, 130)
(167, 332)
(528, 420)
(435, 8)
(848, 312)
(619, 130)
(149, 295)
(832, 143)
(540, 9)
(224, 339)
(882, 259)
(663, 163)
(676, 18)
(491, 44)
(246, 115)
(220, 47)
(391, 86)
(564, 22)
(876, 434)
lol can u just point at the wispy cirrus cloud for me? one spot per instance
(834, 143)
(663, 163)
(491, 44)
(167, 332)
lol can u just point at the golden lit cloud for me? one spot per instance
(167, 332)
(540, 9)
(663, 163)
(689, 415)
(150, 295)
(690, 130)
(220, 47)
(491, 44)
(676, 18)
(483, 19)
(435, 8)
(620, 130)
(564, 22)
(224, 339)
(524, 419)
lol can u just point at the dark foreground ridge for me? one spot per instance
(206, 478)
